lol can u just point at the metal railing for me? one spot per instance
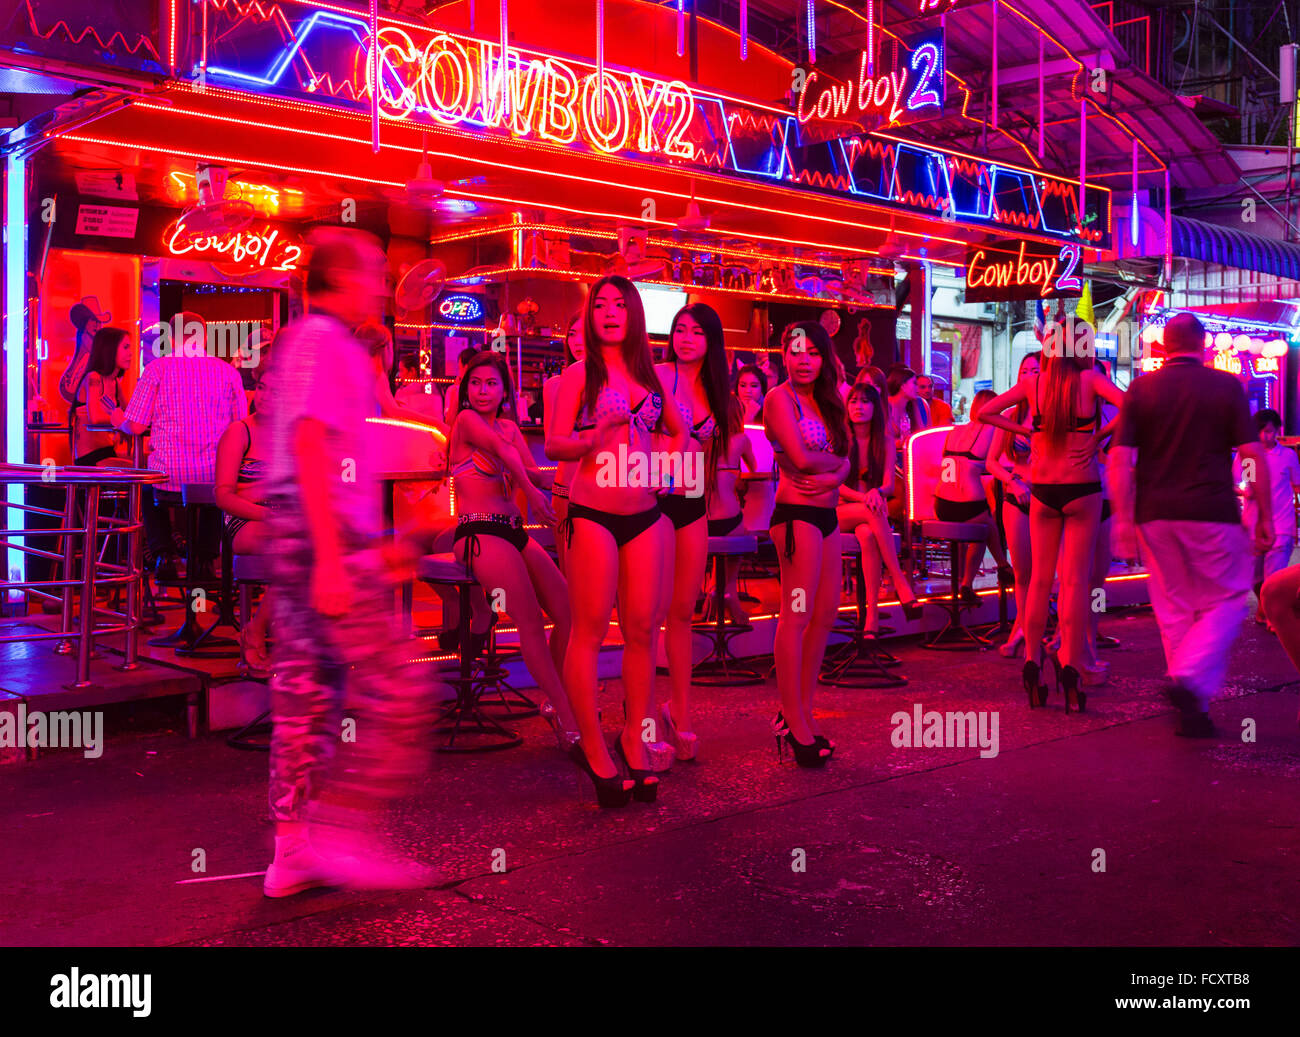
(84, 491)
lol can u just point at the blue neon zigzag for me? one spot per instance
(359, 30)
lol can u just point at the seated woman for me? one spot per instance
(242, 459)
(863, 510)
(959, 494)
(99, 396)
(490, 461)
(723, 498)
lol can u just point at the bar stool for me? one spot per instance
(463, 717)
(190, 638)
(247, 572)
(720, 668)
(862, 662)
(512, 703)
(954, 636)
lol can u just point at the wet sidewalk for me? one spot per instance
(1096, 829)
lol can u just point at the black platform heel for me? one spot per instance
(779, 726)
(610, 792)
(913, 610)
(1034, 688)
(814, 754)
(646, 783)
(1070, 682)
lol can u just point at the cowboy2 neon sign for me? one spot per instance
(995, 274)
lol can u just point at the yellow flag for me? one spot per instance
(1084, 310)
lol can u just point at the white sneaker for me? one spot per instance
(297, 867)
(365, 861)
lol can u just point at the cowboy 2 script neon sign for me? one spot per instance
(876, 95)
(462, 81)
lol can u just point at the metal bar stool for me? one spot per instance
(720, 668)
(955, 635)
(247, 572)
(190, 638)
(463, 717)
(862, 662)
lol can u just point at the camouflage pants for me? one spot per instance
(348, 713)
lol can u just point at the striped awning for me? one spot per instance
(1193, 239)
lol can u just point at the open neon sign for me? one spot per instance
(254, 250)
(460, 309)
(889, 96)
(459, 80)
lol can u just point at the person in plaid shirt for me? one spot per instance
(186, 398)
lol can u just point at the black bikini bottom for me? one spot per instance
(683, 510)
(1056, 495)
(959, 510)
(825, 519)
(724, 527)
(93, 458)
(623, 528)
(510, 529)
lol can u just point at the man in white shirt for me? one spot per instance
(186, 398)
(1284, 481)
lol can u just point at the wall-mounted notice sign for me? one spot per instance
(1022, 270)
(107, 221)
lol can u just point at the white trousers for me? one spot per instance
(1200, 579)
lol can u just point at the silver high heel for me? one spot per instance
(685, 743)
(566, 740)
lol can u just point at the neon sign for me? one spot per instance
(247, 249)
(917, 84)
(995, 274)
(1267, 363)
(461, 80)
(460, 309)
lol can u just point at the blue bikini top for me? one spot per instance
(646, 413)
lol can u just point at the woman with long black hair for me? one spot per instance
(695, 374)
(99, 396)
(575, 350)
(606, 412)
(1008, 462)
(490, 462)
(804, 419)
(1064, 407)
(864, 509)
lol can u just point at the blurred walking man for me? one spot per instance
(334, 644)
(1171, 484)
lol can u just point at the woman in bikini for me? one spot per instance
(804, 419)
(695, 373)
(575, 351)
(864, 509)
(490, 463)
(1065, 509)
(612, 399)
(959, 495)
(1008, 461)
(726, 517)
(98, 397)
(241, 470)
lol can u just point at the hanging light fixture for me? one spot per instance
(812, 33)
(871, 37)
(744, 30)
(600, 59)
(681, 27)
(505, 58)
